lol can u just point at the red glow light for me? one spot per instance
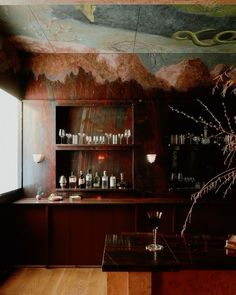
(101, 157)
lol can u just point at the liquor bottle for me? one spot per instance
(81, 180)
(121, 183)
(96, 180)
(62, 181)
(104, 180)
(205, 139)
(112, 181)
(72, 180)
(88, 179)
(173, 180)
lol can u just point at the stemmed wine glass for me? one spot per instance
(101, 139)
(120, 136)
(69, 138)
(127, 134)
(95, 139)
(62, 134)
(81, 137)
(154, 218)
(109, 136)
(88, 139)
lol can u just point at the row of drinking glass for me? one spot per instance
(177, 180)
(83, 138)
(176, 139)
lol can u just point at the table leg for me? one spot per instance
(129, 283)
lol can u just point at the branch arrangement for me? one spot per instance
(226, 179)
(226, 80)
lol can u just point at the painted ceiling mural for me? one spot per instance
(121, 28)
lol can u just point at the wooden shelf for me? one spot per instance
(97, 147)
(193, 147)
(95, 118)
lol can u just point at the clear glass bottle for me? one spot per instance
(81, 180)
(89, 179)
(112, 181)
(72, 180)
(104, 180)
(62, 181)
(121, 183)
(96, 180)
(173, 180)
(205, 139)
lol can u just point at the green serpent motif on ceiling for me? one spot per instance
(224, 37)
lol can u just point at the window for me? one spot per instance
(10, 142)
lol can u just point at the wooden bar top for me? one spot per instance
(99, 199)
(126, 252)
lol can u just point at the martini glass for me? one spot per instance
(154, 218)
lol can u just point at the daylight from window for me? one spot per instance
(10, 142)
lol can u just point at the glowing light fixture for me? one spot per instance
(37, 158)
(151, 158)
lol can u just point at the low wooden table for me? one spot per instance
(198, 265)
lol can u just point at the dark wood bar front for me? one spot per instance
(72, 233)
(191, 264)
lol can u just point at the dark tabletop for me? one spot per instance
(127, 252)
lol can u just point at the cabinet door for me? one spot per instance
(29, 236)
(78, 233)
(216, 218)
(6, 234)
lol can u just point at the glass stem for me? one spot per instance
(154, 236)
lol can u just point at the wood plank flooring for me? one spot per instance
(55, 281)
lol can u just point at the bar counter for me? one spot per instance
(98, 199)
(187, 265)
(65, 233)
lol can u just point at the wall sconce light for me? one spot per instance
(37, 158)
(151, 158)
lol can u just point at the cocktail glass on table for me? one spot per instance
(154, 219)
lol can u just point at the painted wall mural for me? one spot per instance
(121, 28)
(118, 76)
